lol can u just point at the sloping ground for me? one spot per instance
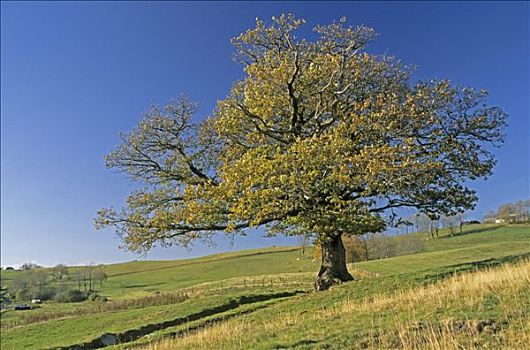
(213, 281)
(139, 278)
(85, 330)
(485, 309)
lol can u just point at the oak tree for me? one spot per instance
(319, 137)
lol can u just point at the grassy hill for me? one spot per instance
(263, 299)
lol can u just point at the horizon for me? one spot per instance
(73, 76)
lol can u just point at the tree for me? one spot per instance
(512, 212)
(318, 137)
(39, 277)
(356, 249)
(490, 217)
(523, 210)
(453, 222)
(380, 246)
(4, 297)
(304, 240)
(507, 212)
(86, 275)
(33, 284)
(29, 266)
(60, 271)
(99, 275)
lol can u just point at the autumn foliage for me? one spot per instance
(318, 137)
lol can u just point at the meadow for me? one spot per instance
(470, 290)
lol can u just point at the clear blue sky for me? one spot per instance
(75, 74)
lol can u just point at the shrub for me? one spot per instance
(96, 297)
(43, 293)
(356, 249)
(71, 296)
(380, 246)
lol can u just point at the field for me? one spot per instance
(467, 291)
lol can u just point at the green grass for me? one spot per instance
(212, 280)
(140, 278)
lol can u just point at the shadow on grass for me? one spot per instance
(108, 339)
(451, 270)
(468, 232)
(141, 285)
(298, 343)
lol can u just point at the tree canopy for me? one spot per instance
(318, 137)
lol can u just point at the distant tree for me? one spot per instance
(99, 275)
(4, 294)
(32, 285)
(507, 212)
(460, 217)
(39, 278)
(317, 137)
(408, 244)
(60, 271)
(305, 240)
(19, 286)
(522, 209)
(379, 246)
(87, 276)
(510, 212)
(10, 268)
(453, 222)
(356, 249)
(422, 222)
(19, 282)
(490, 217)
(29, 266)
(416, 219)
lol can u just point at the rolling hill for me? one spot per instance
(471, 290)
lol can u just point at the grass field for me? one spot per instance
(467, 291)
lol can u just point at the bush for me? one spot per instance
(375, 246)
(356, 249)
(96, 297)
(381, 246)
(71, 296)
(44, 293)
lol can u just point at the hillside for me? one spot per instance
(263, 299)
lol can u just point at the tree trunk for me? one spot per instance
(333, 267)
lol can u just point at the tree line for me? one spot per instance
(57, 283)
(517, 212)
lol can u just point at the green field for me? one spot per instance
(263, 298)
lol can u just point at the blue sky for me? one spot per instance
(75, 74)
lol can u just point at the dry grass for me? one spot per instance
(469, 289)
(408, 309)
